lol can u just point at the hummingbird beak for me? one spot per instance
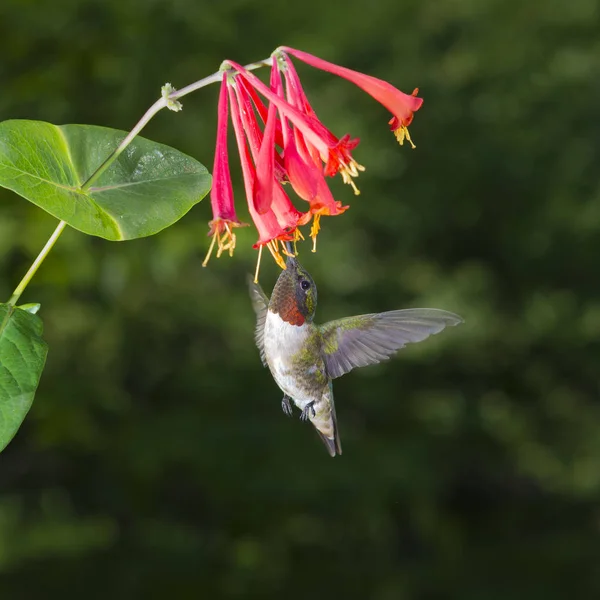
(290, 260)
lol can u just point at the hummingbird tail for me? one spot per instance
(329, 444)
(325, 422)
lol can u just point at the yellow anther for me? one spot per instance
(223, 236)
(350, 170)
(314, 230)
(402, 134)
(274, 250)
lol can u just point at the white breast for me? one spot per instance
(282, 341)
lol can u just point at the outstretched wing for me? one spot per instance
(369, 339)
(260, 302)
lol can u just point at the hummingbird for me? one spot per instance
(304, 357)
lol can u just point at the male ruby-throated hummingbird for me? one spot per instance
(304, 357)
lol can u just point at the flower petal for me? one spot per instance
(266, 224)
(401, 105)
(221, 193)
(265, 163)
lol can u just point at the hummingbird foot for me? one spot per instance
(305, 416)
(286, 406)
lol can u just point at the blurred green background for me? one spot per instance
(156, 461)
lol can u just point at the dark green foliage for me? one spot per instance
(22, 357)
(156, 461)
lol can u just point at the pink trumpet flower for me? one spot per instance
(401, 105)
(270, 229)
(221, 194)
(334, 152)
(281, 140)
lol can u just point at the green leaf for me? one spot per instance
(22, 357)
(149, 187)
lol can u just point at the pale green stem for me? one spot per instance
(166, 100)
(36, 263)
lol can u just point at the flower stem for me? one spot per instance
(36, 263)
(167, 100)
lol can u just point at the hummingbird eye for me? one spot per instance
(305, 284)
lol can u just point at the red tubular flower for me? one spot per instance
(306, 177)
(265, 161)
(342, 160)
(309, 183)
(221, 193)
(292, 147)
(401, 105)
(265, 166)
(286, 213)
(296, 97)
(278, 223)
(302, 175)
(295, 92)
(248, 100)
(266, 224)
(252, 98)
(334, 153)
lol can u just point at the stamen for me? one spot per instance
(210, 249)
(231, 245)
(297, 236)
(220, 246)
(258, 264)
(314, 230)
(354, 168)
(285, 251)
(347, 179)
(274, 250)
(223, 237)
(348, 171)
(224, 243)
(402, 134)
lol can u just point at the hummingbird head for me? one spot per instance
(294, 297)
